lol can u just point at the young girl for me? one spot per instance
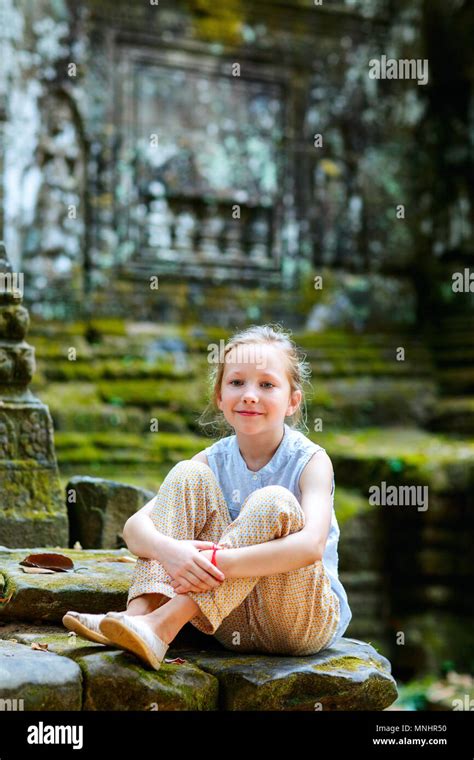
(266, 495)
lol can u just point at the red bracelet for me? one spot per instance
(214, 550)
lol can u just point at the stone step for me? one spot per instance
(454, 415)
(394, 454)
(399, 455)
(35, 680)
(98, 582)
(457, 381)
(351, 675)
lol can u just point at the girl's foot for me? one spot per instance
(85, 625)
(153, 622)
(134, 634)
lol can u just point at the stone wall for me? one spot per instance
(136, 148)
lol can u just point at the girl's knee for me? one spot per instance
(189, 468)
(275, 499)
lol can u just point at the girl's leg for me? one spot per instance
(145, 603)
(268, 513)
(168, 619)
(293, 613)
(189, 505)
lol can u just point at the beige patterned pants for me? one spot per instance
(294, 613)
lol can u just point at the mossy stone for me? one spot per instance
(351, 675)
(92, 586)
(42, 680)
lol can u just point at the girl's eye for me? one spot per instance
(266, 382)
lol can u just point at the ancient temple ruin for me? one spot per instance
(233, 144)
(32, 508)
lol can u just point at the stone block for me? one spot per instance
(98, 510)
(351, 675)
(99, 582)
(31, 679)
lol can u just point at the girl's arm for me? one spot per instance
(277, 556)
(141, 536)
(298, 549)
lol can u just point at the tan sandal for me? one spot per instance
(127, 633)
(85, 625)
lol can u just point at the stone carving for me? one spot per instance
(7, 438)
(35, 438)
(6, 366)
(31, 502)
(14, 322)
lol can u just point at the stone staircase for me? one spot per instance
(453, 352)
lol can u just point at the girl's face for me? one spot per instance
(255, 391)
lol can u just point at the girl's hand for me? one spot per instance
(189, 569)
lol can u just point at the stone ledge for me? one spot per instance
(43, 680)
(95, 585)
(351, 675)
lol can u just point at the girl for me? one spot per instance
(266, 494)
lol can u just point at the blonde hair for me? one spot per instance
(298, 372)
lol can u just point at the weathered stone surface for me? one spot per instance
(30, 498)
(99, 508)
(43, 680)
(31, 508)
(116, 680)
(93, 586)
(351, 675)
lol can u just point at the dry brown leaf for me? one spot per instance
(38, 645)
(57, 562)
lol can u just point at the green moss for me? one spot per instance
(95, 369)
(110, 326)
(43, 487)
(108, 447)
(348, 663)
(148, 393)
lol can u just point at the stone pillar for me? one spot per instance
(32, 508)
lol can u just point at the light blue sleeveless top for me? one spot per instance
(238, 482)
